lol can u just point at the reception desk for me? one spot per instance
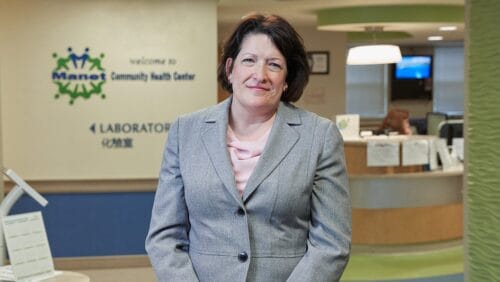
(402, 205)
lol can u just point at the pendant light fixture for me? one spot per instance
(375, 53)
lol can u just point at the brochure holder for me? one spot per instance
(20, 187)
(348, 126)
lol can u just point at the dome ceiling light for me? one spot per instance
(374, 54)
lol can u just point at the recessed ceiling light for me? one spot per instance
(448, 28)
(435, 38)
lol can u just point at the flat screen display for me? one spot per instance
(414, 67)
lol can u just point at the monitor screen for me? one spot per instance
(414, 67)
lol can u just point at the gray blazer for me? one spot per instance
(293, 222)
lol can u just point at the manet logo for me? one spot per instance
(79, 76)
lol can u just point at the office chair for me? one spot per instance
(433, 121)
(420, 125)
(452, 128)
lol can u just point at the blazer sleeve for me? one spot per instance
(167, 242)
(329, 240)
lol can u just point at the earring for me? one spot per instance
(285, 88)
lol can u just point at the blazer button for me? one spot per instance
(242, 257)
(240, 212)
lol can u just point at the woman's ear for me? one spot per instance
(229, 68)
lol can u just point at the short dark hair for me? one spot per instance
(284, 37)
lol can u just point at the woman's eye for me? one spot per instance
(247, 60)
(275, 66)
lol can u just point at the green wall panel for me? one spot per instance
(483, 140)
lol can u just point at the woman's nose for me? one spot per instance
(260, 72)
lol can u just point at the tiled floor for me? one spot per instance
(146, 274)
(444, 265)
(431, 265)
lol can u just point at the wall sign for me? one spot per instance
(96, 96)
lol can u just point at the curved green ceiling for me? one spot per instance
(380, 15)
(377, 36)
(391, 14)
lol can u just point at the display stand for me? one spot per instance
(11, 198)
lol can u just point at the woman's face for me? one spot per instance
(258, 73)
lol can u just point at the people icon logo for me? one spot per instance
(78, 76)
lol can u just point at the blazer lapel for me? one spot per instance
(214, 138)
(282, 139)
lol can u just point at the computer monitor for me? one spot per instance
(414, 67)
(433, 121)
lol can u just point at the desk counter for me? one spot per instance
(402, 205)
(356, 156)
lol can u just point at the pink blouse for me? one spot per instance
(244, 156)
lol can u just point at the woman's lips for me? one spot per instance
(257, 87)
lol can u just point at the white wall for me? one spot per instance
(325, 94)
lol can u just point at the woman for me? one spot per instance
(253, 189)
